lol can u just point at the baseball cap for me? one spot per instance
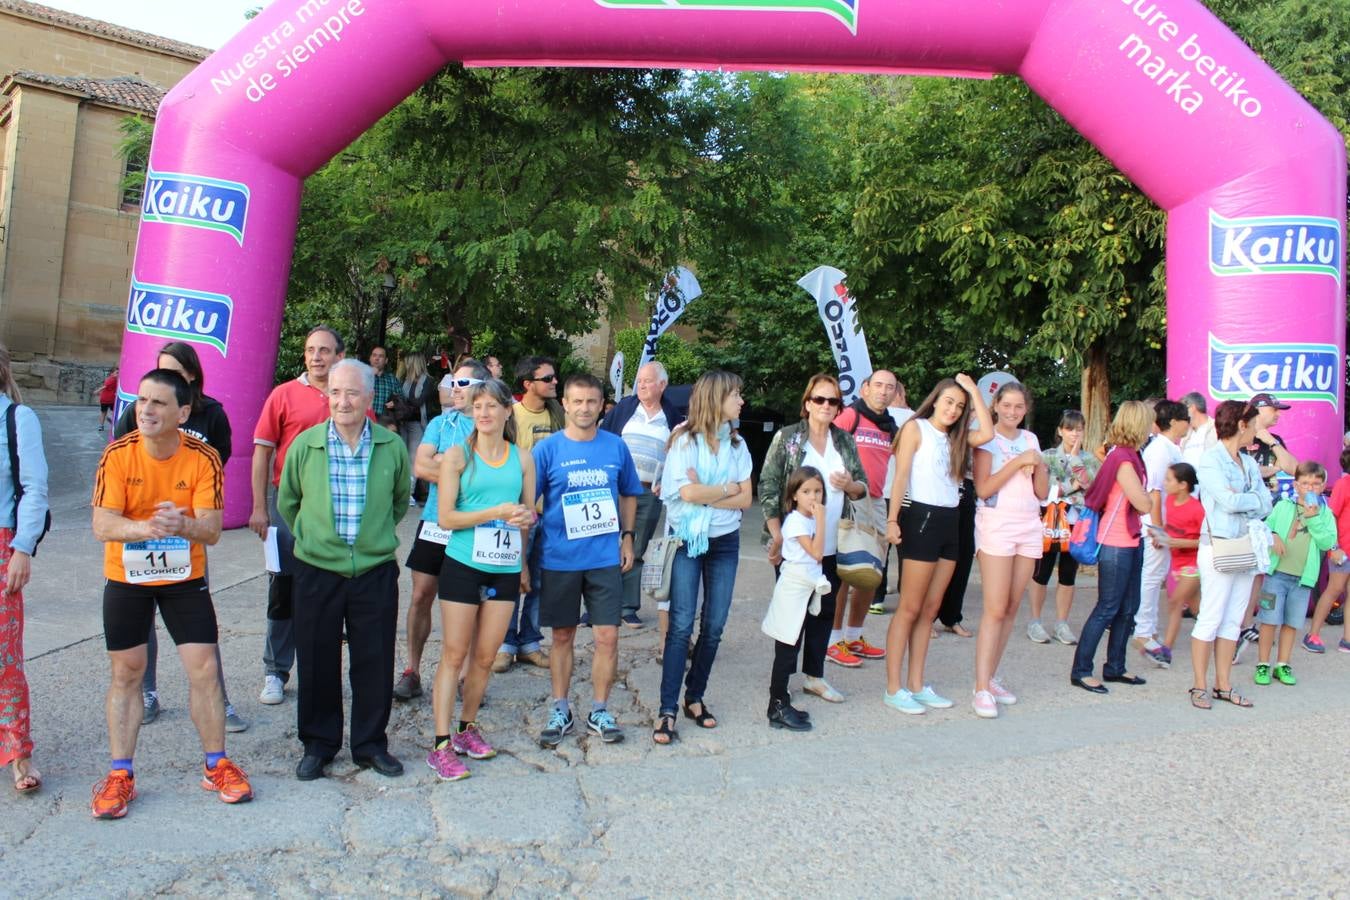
(1268, 400)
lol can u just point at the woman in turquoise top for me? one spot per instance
(485, 497)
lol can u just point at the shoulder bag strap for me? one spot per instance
(11, 433)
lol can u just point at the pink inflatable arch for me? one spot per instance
(1253, 178)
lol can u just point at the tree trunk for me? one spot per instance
(1096, 390)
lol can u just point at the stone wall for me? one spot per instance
(44, 379)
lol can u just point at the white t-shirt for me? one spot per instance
(828, 464)
(1197, 442)
(1158, 455)
(796, 526)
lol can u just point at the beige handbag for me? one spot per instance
(860, 549)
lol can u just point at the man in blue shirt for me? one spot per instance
(589, 487)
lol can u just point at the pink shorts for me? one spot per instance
(1001, 535)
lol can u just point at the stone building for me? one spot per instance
(67, 226)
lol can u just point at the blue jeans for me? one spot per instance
(1118, 575)
(716, 570)
(523, 634)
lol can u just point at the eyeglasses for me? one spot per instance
(827, 401)
(465, 382)
(546, 379)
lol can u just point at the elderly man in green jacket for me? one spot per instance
(343, 490)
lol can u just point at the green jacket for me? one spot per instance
(786, 452)
(1321, 528)
(306, 502)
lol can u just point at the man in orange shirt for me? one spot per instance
(157, 505)
(291, 408)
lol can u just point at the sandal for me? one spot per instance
(1200, 699)
(26, 782)
(665, 734)
(1233, 697)
(705, 718)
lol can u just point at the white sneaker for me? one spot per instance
(984, 705)
(821, 688)
(1064, 634)
(273, 692)
(1036, 632)
(1001, 694)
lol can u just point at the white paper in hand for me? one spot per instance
(271, 555)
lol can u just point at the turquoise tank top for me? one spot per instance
(493, 546)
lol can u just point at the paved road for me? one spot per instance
(1067, 794)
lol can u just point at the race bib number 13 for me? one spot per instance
(496, 544)
(589, 513)
(163, 559)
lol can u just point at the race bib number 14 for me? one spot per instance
(496, 544)
(589, 513)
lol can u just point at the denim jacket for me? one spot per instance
(1232, 495)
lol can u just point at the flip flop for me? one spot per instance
(29, 781)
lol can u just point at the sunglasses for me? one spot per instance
(546, 379)
(828, 401)
(465, 382)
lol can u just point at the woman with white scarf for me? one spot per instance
(705, 485)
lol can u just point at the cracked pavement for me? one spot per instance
(1069, 794)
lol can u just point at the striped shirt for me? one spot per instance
(347, 480)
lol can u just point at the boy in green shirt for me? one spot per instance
(1303, 531)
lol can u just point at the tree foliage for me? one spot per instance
(513, 208)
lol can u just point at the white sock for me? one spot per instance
(852, 634)
(836, 636)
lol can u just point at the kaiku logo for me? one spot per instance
(1275, 245)
(845, 11)
(1291, 371)
(170, 312)
(196, 202)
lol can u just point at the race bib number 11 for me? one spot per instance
(163, 559)
(589, 513)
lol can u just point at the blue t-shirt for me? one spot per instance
(580, 483)
(443, 432)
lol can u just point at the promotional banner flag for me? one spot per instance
(681, 289)
(840, 315)
(990, 383)
(616, 375)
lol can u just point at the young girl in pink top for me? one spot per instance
(1010, 480)
(1182, 518)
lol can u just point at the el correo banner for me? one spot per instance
(840, 315)
(681, 289)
